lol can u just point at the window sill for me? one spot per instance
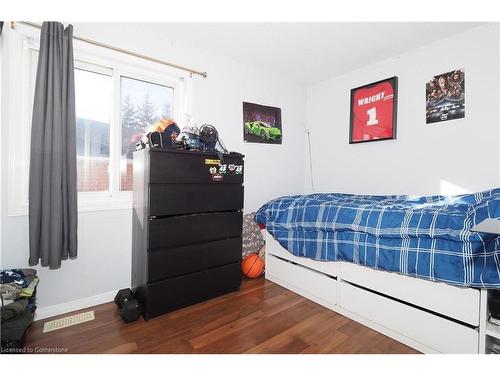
(105, 205)
(87, 205)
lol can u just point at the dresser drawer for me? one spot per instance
(196, 228)
(189, 167)
(181, 260)
(177, 292)
(180, 199)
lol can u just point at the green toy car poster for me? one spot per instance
(261, 124)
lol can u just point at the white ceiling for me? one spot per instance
(309, 52)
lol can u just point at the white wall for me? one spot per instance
(450, 157)
(103, 263)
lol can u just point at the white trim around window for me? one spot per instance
(20, 46)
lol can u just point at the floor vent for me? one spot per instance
(68, 321)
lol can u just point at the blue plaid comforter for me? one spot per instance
(427, 237)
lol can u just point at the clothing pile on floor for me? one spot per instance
(18, 297)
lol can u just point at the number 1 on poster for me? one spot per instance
(372, 116)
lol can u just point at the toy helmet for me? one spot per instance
(209, 136)
(172, 131)
(190, 136)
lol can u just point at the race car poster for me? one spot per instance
(261, 124)
(374, 111)
(445, 97)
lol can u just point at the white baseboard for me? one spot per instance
(63, 308)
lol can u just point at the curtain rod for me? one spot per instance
(117, 49)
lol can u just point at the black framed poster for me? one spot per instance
(374, 111)
(261, 123)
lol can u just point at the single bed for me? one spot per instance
(409, 267)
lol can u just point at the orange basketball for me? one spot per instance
(252, 266)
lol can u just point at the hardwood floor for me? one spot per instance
(260, 318)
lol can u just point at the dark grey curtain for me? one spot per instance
(52, 185)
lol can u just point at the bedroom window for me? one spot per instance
(93, 104)
(142, 104)
(117, 97)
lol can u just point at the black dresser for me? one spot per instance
(187, 221)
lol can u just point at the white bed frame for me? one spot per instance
(428, 316)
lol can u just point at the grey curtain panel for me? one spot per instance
(52, 184)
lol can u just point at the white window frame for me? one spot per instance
(18, 48)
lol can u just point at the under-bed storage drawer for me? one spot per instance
(181, 199)
(177, 292)
(188, 229)
(311, 284)
(180, 260)
(275, 248)
(428, 329)
(457, 303)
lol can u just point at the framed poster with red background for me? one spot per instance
(374, 111)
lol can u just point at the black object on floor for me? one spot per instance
(494, 303)
(130, 309)
(187, 223)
